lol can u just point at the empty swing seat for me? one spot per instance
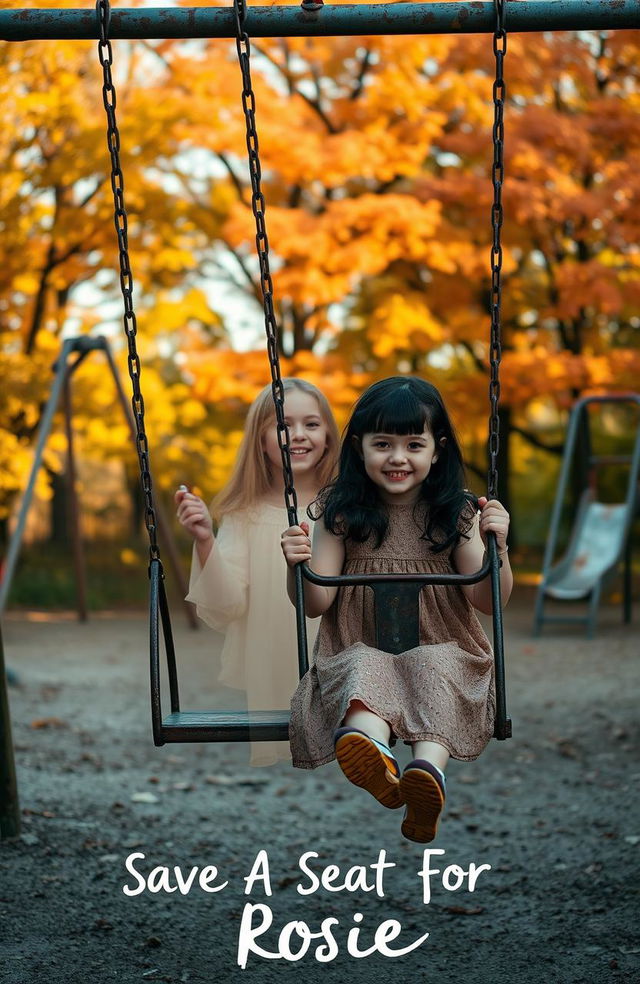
(191, 726)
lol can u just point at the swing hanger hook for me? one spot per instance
(310, 6)
(103, 12)
(500, 33)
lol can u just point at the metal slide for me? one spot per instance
(601, 535)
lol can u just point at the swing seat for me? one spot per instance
(192, 726)
(397, 630)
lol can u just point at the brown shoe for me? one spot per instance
(368, 763)
(422, 789)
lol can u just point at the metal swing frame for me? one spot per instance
(396, 595)
(315, 19)
(64, 369)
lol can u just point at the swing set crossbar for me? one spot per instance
(38, 24)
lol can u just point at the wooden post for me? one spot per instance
(73, 511)
(9, 807)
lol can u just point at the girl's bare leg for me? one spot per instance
(423, 790)
(359, 716)
(432, 752)
(366, 763)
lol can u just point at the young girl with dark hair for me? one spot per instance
(398, 505)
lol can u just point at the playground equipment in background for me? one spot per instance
(80, 346)
(601, 535)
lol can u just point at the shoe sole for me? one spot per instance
(424, 800)
(365, 765)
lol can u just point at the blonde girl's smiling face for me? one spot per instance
(398, 463)
(307, 434)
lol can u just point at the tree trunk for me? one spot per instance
(137, 501)
(504, 468)
(59, 509)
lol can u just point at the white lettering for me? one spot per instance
(132, 871)
(259, 872)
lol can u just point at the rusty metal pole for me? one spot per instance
(9, 805)
(321, 20)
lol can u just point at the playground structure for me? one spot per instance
(63, 368)
(313, 19)
(600, 539)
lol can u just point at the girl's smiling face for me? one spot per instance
(398, 463)
(307, 433)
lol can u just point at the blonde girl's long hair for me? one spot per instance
(252, 475)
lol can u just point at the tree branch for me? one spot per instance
(359, 86)
(235, 180)
(294, 90)
(536, 442)
(477, 361)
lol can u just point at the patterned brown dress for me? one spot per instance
(442, 691)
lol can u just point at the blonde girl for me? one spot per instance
(237, 575)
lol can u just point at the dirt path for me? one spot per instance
(555, 812)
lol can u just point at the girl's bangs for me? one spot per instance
(400, 412)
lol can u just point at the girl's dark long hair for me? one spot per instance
(351, 504)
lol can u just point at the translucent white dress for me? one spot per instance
(241, 591)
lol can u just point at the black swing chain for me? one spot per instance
(497, 178)
(105, 54)
(258, 207)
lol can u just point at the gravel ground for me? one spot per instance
(554, 811)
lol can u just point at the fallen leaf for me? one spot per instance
(464, 910)
(144, 798)
(52, 722)
(103, 925)
(236, 780)
(287, 880)
(566, 749)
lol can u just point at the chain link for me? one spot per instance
(258, 207)
(105, 55)
(497, 178)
